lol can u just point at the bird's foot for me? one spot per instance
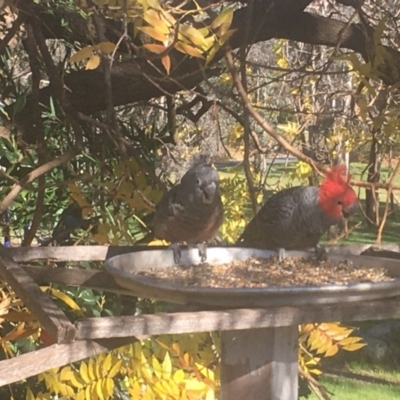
(281, 254)
(320, 254)
(202, 251)
(177, 252)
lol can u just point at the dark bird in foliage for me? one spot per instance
(191, 211)
(296, 218)
(71, 219)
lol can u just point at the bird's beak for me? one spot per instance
(350, 210)
(209, 192)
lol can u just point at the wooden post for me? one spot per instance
(259, 364)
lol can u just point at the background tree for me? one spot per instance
(103, 103)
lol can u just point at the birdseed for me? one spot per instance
(269, 272)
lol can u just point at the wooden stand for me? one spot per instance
(259, 346)
(259, 364)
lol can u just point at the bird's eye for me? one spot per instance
(340, 202)
(198, 181)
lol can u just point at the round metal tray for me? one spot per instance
(125, 267)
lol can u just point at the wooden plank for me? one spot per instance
(58, 355)
(94, 279)
(72, 253)
(205, 321)
(259, 364)
(50, 316)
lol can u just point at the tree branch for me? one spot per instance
(135, 80)
(264, 124)
(73, 152)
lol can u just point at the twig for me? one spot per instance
(146, 200)
(116, 136)
(246, 119)
(215, 117)
(336, 239)
(11, 32)
(322, 392)
(110, 112)
(35, 174)
(385, 214)
(267, 126)
(7, 176)
(33, 54)
(37, 216)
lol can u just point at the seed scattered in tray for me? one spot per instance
(266, 272)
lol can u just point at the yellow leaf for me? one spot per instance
(153, 18)
(92, 368)
(156, 367)
(88, 392)
(115, 369)
(107, 362)
(176, 348)
(153, 4)
(167, 17)
(212, 53)
(354, 346)
(83, 370)
(106, 47)
(82, 54)
(75, 381)
(135, 390)
(226, 36)
(5, 305)
(19, 316)
(332, 351)
(350, 340)
(29, 395)
(210, 395)
(99, 389)
(205, 371)
(192, 34)
(306, 329)
(166, 62)
(66, 299)
(195, 385)
(167, 366)
(108, 388)
(149, 394)
(81, 395)
(189, 50)
(326, 343)
(66, 374)
(315, 371)
(179, 376)
(154, 33)
(154, 48)
(145, 367)
(93, 62)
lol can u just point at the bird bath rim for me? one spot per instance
(121, 267)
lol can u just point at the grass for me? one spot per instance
(351, 389)
(376, 371)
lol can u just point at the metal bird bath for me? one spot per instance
(125, 269)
